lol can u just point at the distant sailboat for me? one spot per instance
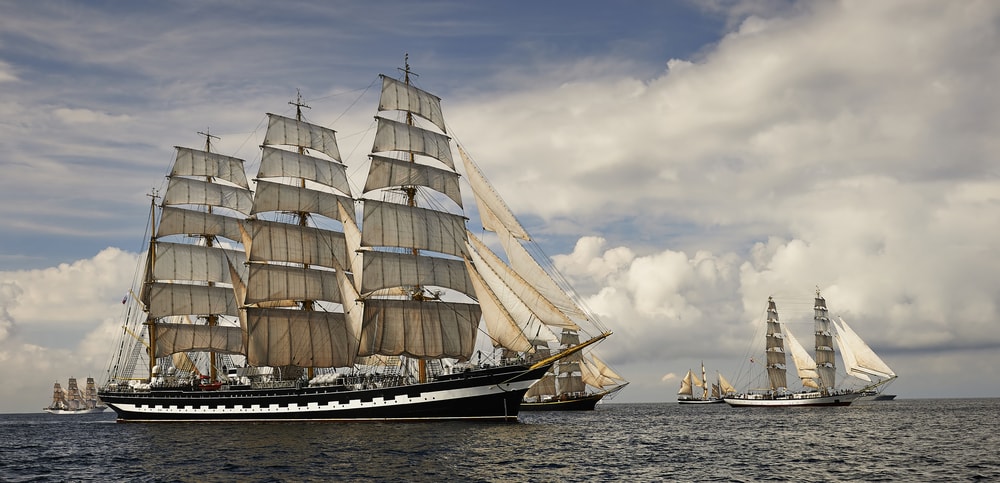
(818, 374)
(688, 395)
(73, 401)
(575, 383)
(863, 363)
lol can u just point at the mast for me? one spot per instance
(704, 382)
(774, 348)
(211, 320)
(147, 283)
(411, 200)
(825, 362)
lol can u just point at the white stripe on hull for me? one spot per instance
(264, 412)
(785, 401)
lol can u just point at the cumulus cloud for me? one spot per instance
(67, 318)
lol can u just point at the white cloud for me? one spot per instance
(58, 323)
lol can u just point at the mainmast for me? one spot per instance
(211, 320)
(825, 364)
(148, 282)
(411, 200)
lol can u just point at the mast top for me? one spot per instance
(406, 69)
(298, 105)
(208, 139)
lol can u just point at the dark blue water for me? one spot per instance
(904, 440)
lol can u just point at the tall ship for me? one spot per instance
(817, 375)
(688, 394)
(74, 401)
(575, 383)
(295, 297)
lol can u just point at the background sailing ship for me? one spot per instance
(688, 395)
(74, 401)
(575, 383)
(818, 375)
(271, 301)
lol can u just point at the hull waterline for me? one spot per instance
(585, 403)
(793, 400)
(486, 394)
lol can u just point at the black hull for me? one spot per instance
(585, 403)
(486, 394)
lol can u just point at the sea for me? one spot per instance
(901, 440)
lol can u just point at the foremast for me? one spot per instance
(774, 349)
(182, 279)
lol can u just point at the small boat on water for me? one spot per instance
(721, 388)
(818, 375)
(74, 401)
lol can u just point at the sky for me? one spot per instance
(680, 162)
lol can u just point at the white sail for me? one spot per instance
(544, 387)
(847, 354)
(187, 191)
(272, 196)
(176, 261)
(525, 292)
(502, 326)
(865, 360)
(270, 282)
(389, 172)
(687, 385)
(186, 299)
(725, 387)
(174, 338)
(804, 364)
(292, 132)
(203, 164)
(284, 242)
(178, 221)
(522, 312)
(419, 329)
(388, 269)
(397, 136)
(283, 337)
(275, 163)
(395, 225)
(493, 211)
(597, 374)
(400, 96)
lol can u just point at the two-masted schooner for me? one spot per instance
(275, 301)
